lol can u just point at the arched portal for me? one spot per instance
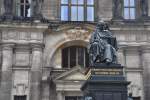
(70, 54)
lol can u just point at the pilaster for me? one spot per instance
(121, 57)
(59, 95)
(36, 75)
(6, 72)
(146, 70)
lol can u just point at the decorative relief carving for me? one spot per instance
(77, 34)
(20, 89)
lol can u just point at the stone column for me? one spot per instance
(146, 71)
(36, 72)
(121, 57)
(6, 72)
(59, 95)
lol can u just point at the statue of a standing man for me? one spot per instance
(8, 6)
(144, 7)
(117, 6)
(37, 8)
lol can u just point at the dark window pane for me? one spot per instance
(22, 1)
(27, 1)
(80, 13)
(81, 56)
(64, 13)
(65, 58)
(80, 1)
(73, 1)
(90, 13)
(22, 10)
(74, 13)
(126, 2)
(90, 2)
(64, 1)
(20, 97)
(126, 13)
(132, 13)
(72, 57)
(132, 3)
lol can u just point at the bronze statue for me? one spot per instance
(103, 46)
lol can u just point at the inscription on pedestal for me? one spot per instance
(104, 72)
(107, 71)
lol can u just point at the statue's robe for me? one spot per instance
(102, 47)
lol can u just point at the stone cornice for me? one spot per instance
(23, 25)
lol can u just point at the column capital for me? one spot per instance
(37, 46)
(8, 46)
(145, 49)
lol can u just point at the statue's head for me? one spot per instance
(101, 26)
(106, 27)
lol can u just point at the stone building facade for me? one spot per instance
(36, 53)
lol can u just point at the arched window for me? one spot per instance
(77, 10)
(74, 56)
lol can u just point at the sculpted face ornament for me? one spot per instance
(103, 46)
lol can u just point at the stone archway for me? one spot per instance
(75, 35)
(56, 57)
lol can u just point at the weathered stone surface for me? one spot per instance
(146, 68)
(35, 85)
(104, 11)
(6, 85)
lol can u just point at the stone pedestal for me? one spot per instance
(105, 82)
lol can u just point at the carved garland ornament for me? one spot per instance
(77, 34)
